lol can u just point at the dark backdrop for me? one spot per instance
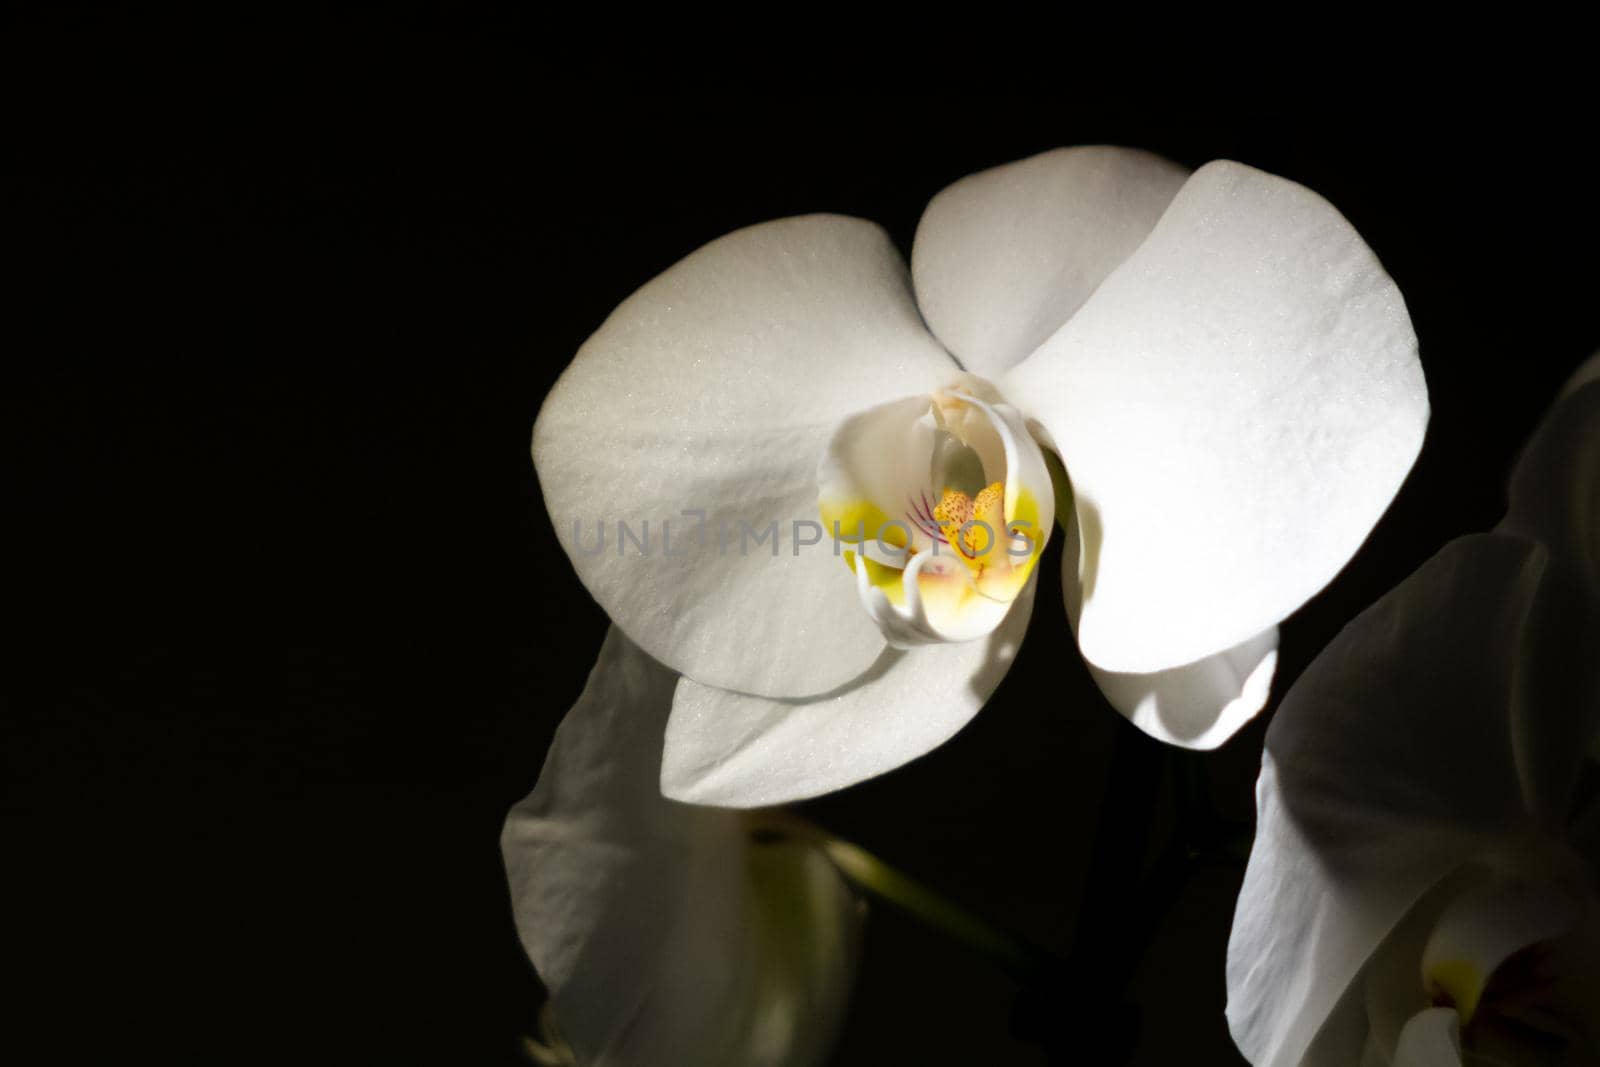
(292, 637)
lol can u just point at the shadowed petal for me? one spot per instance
(1555, 499)
(1389, 763)
(664, 934)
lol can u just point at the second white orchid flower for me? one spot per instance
(1424, 888)
(1222, 366)
(665, 932)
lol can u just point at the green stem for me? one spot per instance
(866, 872)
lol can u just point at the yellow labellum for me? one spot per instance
(861, 520)
(881, 576)
(1462, 982)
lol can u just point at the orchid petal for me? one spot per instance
(1236, 406)
(663, 932)
(1202, 704)
(714, 389)
(735, 750)
(1003, 257)
(1362, 828)
(1198, 705)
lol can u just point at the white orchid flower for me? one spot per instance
(1220, 363)
(663, 931)
(1422, 889)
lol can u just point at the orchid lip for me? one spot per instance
(946, 476)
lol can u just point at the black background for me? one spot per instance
(292, 632)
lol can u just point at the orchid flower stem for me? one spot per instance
(1019, 958)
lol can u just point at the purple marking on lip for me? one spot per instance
(924, 520)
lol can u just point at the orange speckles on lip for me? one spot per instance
(963, 519)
